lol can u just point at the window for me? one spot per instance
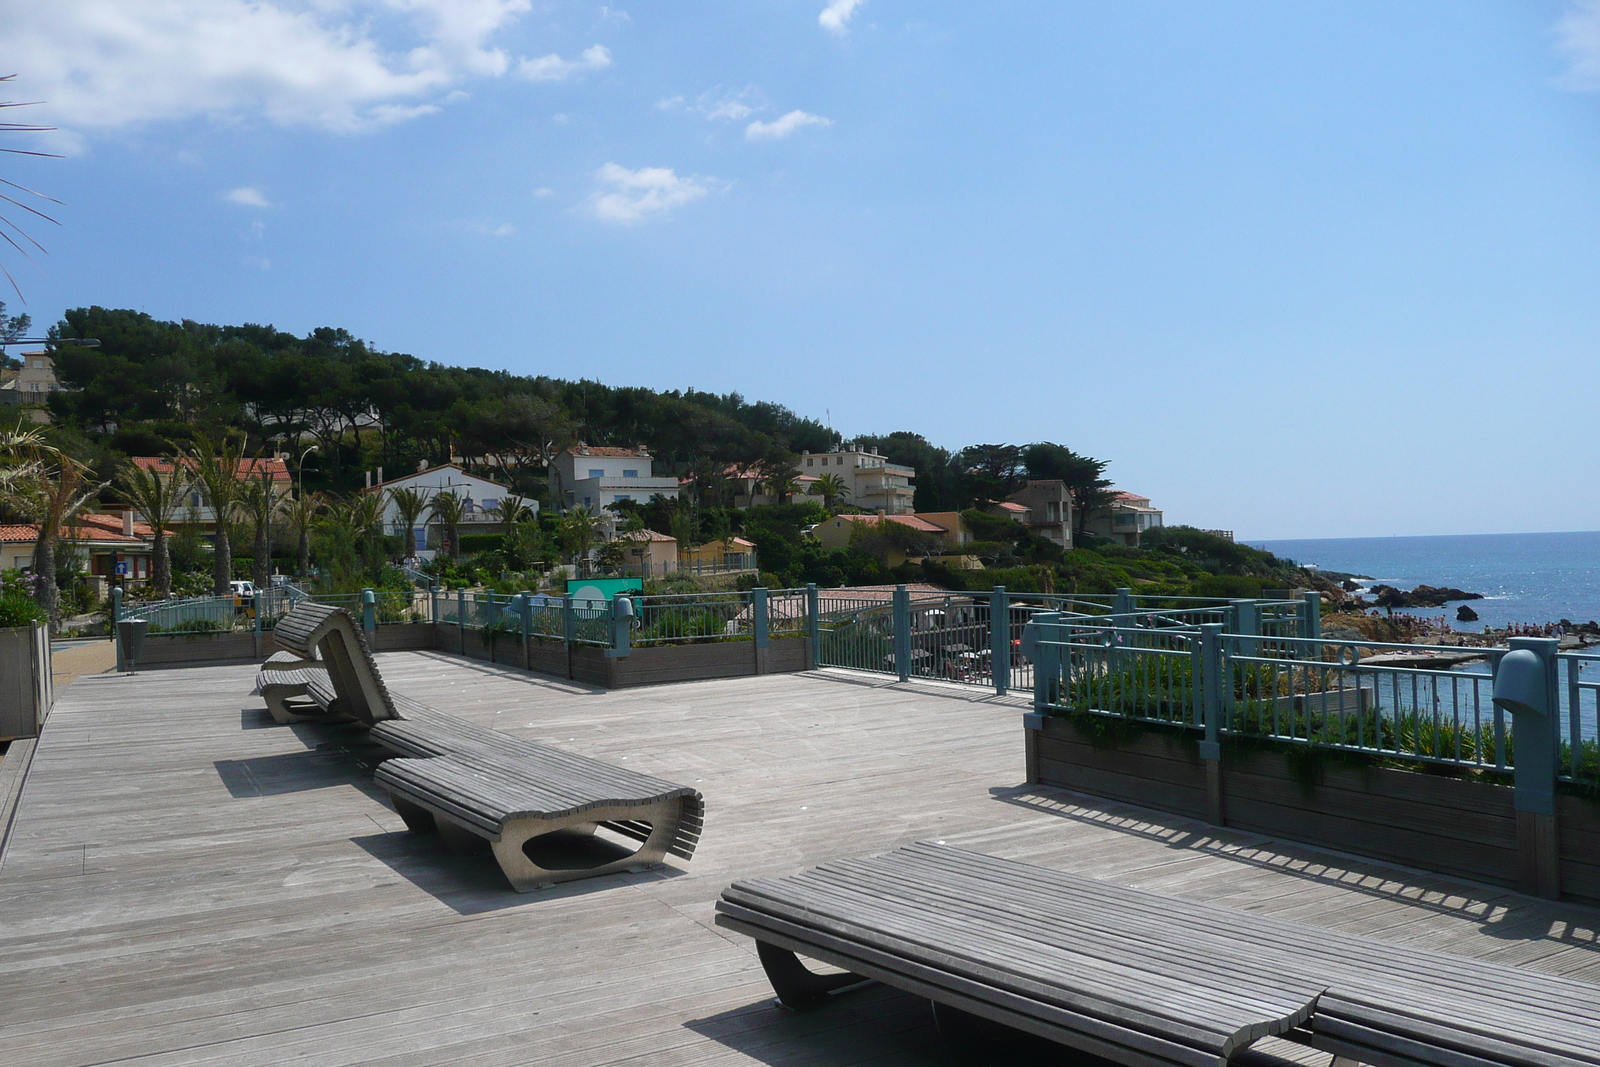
(630, 474)
(593, 473)
(587, 501)
(194, 500)
(808, 462)
(1124, 520)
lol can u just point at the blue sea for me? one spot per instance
(1527, 578)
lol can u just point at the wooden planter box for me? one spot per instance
(1455, 826)
(26, 687)
(204, 649)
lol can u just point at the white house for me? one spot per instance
(873, 482)
(481, 495)
(595, 477)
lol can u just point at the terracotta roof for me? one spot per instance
(916, 522)
(645, 535)
(1011, 505)
(96, 527)
(248, 468)
(430, 470)
(581, 449)
(1131, 496)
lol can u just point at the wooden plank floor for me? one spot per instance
(187, 883)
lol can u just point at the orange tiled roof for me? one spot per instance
(95, 527)
(248, 468)
(644, 535)
(916, 522)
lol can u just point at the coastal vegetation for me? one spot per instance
(340, 407)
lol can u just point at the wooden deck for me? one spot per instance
(187, 883)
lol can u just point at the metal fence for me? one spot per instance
(1308, 691)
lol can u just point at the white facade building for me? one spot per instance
(595, 477)
(481, 495)
(873, 481)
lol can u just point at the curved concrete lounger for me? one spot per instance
(1144, 979)
(313, 631)
(285, 682)
(510, 797)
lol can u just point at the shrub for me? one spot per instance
(18, 609)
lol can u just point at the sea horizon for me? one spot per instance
(1531, 578)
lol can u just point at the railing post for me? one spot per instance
(1247, 624)
(1122, 608)
(461, 620)
(525, 623)
(116, 617)
(1311, 619)
(255, 622)
(1000, 639)
(369, 612)
(1044, 627)
(433, 602)
(1526, 685)
(902, 632)
(1211, 704)
(813, 627)
(759, 625)
(621, 628)
(569, 630)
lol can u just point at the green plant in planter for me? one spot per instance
(502, 629)
(19, 609)
(189, 626)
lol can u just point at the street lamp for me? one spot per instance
(300, 467)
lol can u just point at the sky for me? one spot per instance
(1293, 269)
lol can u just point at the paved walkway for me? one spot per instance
(188, 883)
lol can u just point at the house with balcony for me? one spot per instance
(873, 482)
(1045, 507)
(194, 511)
(1125, 519)
(31, 384)
(597, 476)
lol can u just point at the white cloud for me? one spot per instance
(630, 196)
(718, 106)
(835, 18)
(552, 68)
(247, 196)
(783, 126)
(1578, 32)
(544, 191)
(340, 65)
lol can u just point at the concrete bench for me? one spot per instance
(1143, 979)
(312, 631)
(514, 793)
(460, 778)
(284, 682)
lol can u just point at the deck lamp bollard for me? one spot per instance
(622, 623)
(1524, 684)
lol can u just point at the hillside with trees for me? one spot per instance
(188, 389)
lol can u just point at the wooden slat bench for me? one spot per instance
(313, 631)
(458, 777)
(511, 794)
(1143, 979)
(285, 681)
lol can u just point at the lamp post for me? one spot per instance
(300, 468)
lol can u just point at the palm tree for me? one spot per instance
(259, 500)
(366, 519)
(57, 492)
(577, 530)
(781, 483)
(409, 504)
(158, 499)
(513, 509)
(832, 489)
(449, 509)
(302, 515)
(216, 468)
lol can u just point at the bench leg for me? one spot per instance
(418, 820)
(282, 713)
(797, 986)
(526, 876)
